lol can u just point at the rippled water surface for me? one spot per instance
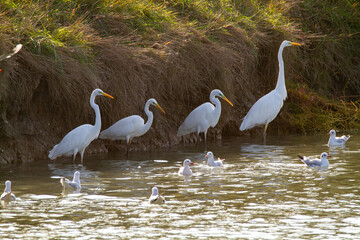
(263, 192)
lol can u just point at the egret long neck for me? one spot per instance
(150, 116)
(280, 86)
(217, 111)
(97, 112)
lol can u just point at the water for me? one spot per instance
(264, 192)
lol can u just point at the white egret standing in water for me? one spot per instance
(132, 126)
(267, 107)
(204, 116)
(79, 138)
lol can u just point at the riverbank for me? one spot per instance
(176, 52)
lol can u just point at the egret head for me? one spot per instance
(99, 92)
(188, 162)
(287, 43)
(155, 191)
(209, 155)
(332, 133)
(153, 102)
(218, 93)
(324, 155)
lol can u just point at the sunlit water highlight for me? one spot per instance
(263, 192)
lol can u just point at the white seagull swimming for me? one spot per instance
(337, 141)
(73, 185)
(7, 196)
(322, 162)
(211, 162)
(185, 170)
(156, 197)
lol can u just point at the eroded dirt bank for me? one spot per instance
(45, 95)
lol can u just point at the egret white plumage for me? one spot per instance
(212, 162)
(185, 169)
(77, 140)
(7, 196)
(156, 197)
(267, 107)
(337, 141)
(204, 116)
(315, 162)
(132, 126)
(15, 50)
(73, 185)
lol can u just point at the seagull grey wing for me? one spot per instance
(74, 185)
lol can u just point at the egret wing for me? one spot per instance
(199, 117)
(263, 111)
(122, 128)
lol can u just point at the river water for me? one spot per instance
(263, 192)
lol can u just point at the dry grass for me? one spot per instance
(176, 51)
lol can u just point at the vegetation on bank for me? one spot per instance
(176, 51)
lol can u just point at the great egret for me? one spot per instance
(15, 50)
(7, 196)
(79, 138)
(204, 116)
(322, 162)
(211, 161)
(185, 169)
(71, 185)
(156, 197)
(267, 107)
(337, 141)
(132, 126)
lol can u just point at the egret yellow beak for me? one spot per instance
(296, 44)
(107, 95)
(158, 106)
(225, 98)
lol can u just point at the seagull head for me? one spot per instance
(209, 155)
(188, 162)
(324, 155)
(332, 133)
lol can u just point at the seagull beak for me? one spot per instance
(328, 133)
(225, 98)
(295, 44)
(107, 95)
(158, 106)
(192, 163)
(206, 155)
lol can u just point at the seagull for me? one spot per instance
(185, 170)
(7, 196)
(322, 162)
(156, 197)
(73, 185)
(337, 141)
(211, 162)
